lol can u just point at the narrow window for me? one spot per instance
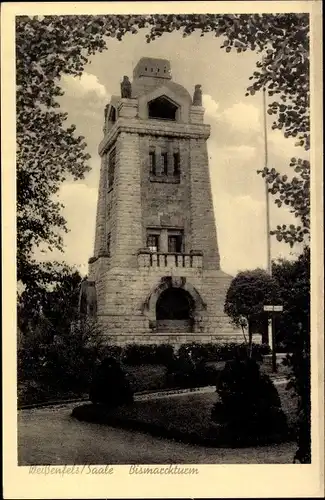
(153, 242)
(164, 161)
(176, 164)
(111, 168)
(175, 243)
(152, 159)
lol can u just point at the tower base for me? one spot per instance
(162, 306)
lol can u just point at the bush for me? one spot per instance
(186, 371)
(63, 365)
(147, 354)
(110, 386)
(112, 351)
(250, 407)
(222, 352)
(164, 354)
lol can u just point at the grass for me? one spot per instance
(186, 413)
(146, 377)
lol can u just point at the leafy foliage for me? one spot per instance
(294, 193)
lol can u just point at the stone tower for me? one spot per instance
(156, 265)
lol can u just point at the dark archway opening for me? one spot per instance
(174, 311)
(162, 108)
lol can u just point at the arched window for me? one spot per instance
(162, 108)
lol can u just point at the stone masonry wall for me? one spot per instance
(204, 233)
(128, 202)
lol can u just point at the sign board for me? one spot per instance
(273, 308)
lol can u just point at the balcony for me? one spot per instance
(159, 260)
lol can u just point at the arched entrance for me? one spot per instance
(174, 311)
(182, 301)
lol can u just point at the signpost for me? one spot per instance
(273, 309)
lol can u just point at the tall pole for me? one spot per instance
(267, 197)
(268, 236)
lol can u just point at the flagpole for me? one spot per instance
(267, 196)
(267, 213)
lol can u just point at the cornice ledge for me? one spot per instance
(183, 130)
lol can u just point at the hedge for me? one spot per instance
(164, 354)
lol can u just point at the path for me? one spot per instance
(50, 436)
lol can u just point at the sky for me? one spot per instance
(235, 147)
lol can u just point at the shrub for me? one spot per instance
(222, 352)
(205, 375)
(164, 354)
(186, 371)
(112, 351)
(181, 371)
(110, 386)
(151, 354)
(63, 365)
(250, 407)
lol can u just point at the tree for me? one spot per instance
(50, 303)
(294, 281)
(57, 352)
(249, 291)
(48, 152)
(293, 278)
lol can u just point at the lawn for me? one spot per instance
(146, 377)
(183, 417)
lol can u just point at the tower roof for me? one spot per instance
(151, 73)
(152, 67)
